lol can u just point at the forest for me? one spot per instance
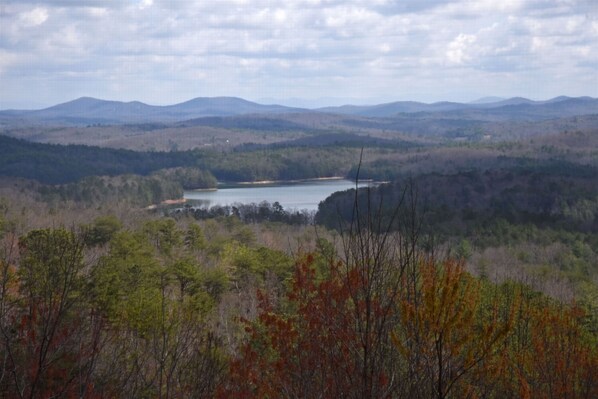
(469, 270)
(121, 302)
(59, 164)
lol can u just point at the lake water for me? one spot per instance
(303, 195)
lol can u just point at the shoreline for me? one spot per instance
(167, 202)
(174, 201)
(232, 184)
(248, 184)
(263, 182)
(201, 190)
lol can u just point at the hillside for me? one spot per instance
(282, 129)
(55, 164)
(499, 236)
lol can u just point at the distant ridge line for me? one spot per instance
(89, 110)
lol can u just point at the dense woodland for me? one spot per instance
(472, 271)
(54, 164)
(145, 306)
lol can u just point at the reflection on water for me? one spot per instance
(304, 195)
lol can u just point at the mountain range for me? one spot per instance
(572, 105)
(87, 110)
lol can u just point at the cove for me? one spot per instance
(291, 195)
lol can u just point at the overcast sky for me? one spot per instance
(163, 52)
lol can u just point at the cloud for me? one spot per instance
(35, 17)
(458, 49)
(163, 50)
(67, 3)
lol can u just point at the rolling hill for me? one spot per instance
(227, 122)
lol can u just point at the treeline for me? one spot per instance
(133, 190)
(181, 309)
(280, 164)
(466, 159)
(189, 178)
(562, 198)
(250, 213)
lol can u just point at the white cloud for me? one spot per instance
(35, 17)
(312, 48)
(97, 12)
(458, 50)
(145, 4)
(7, 60)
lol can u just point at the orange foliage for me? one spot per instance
(442, 334)
(561, 361)
(311, 353)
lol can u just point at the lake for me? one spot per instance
(300, 195)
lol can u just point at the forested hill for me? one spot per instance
(56, 164)
(553, 193)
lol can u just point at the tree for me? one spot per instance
(444, 335)
(54, 339)
(101, 230)
(308, 353)
(194, 237)
(164, 235)
(153, 293)
(553, 355)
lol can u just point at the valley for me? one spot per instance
(242, 221)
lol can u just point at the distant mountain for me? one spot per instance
(87, 110)
(223, 106)
(518, 108)
(313, 103)
(487, 100)
(391, 109)
(521, 109)
(508, 101)
(91, 111)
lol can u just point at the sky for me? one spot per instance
(319, 52)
